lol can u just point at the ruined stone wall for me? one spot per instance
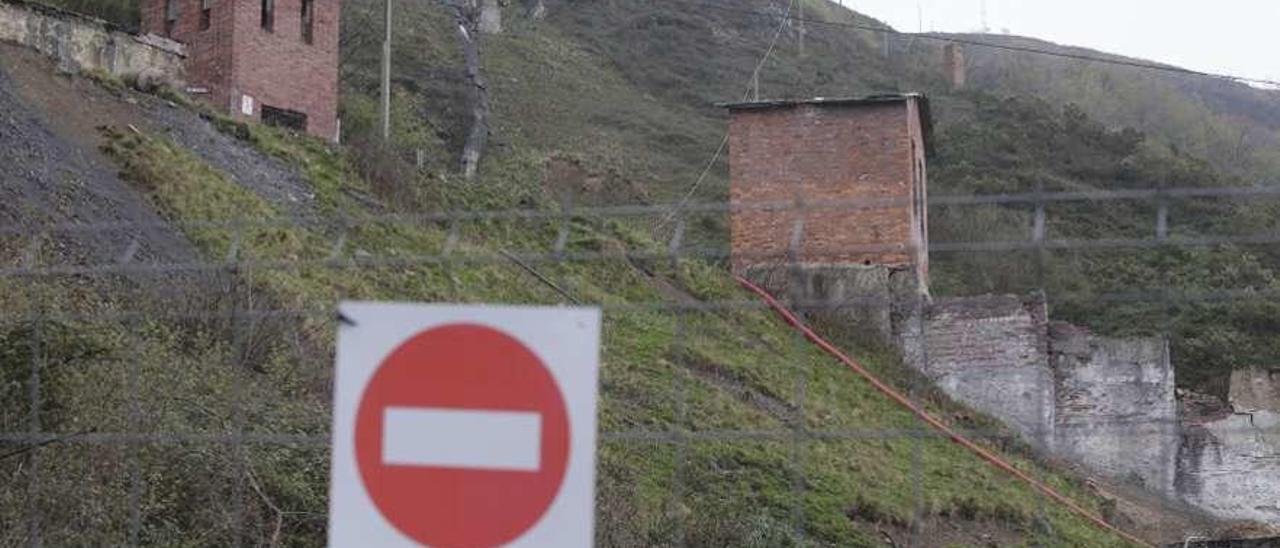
(1116, 412)
(1229, 461)
(78, 43)
(1105, 403)
(857, 297)
(1255, 390)
(990, 353)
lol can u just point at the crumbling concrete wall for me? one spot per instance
(78, 43)
(1108, 404)
(990, 353)
(1105, 403)
(1116, 412)
(1255, 390)
(1229, 463)
(857, 297)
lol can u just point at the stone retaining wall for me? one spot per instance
(79, 43)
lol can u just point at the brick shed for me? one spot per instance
(269, 60)
(844, 179)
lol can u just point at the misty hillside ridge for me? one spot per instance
(628, 91)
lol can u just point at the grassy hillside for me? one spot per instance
(1232, 125)
(628, 91)
(606, 103)
(667, 369)
(626, 87)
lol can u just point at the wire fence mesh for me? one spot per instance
(168, 382)
(153, 399)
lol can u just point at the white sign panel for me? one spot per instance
(464, 426)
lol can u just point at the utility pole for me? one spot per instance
(386, 78)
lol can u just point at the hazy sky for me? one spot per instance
(1239, 37)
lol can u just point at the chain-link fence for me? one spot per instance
(170, 396)
(1082, 359)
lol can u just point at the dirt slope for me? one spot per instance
(51, 178)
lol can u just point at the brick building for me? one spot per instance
(270, 60)
(830, 182)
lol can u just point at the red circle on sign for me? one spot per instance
(464, 368)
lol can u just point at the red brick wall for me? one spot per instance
(278, 69)
(920, 194)
(152, 16)
(209, 53)
(236, 57)
(811, 154)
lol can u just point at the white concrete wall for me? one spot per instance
(1116, 412)
(1231, 467)
(1229, 463)
(990, 353)
(856, 296)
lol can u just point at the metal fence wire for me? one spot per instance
(157, 398)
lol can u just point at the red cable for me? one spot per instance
(885, 389)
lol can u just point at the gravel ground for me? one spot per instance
(270, 177)
(48, 181)
(53, 175)
(74, 109)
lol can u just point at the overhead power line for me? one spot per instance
(752, 92)
(1006, 47)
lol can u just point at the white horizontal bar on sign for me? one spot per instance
(462, 438)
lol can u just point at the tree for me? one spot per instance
(466, 15)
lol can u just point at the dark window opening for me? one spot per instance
(269, 15)
(280, 117)
(171, 13)
(206, 14)
(308, 20)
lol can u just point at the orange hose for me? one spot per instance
(894, 395)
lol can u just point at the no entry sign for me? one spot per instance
(464, 426)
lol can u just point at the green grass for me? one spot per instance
(626, 93)
(665, 371)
